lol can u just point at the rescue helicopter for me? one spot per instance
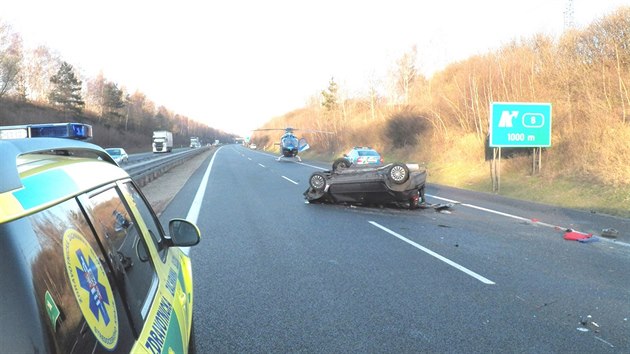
(290, 144)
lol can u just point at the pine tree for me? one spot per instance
(330, 96)
(66, 90)
(112, 103)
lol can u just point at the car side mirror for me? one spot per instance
(183, 233)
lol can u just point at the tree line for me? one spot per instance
(584, 73)
(42, 77)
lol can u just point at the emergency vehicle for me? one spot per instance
(85, 264)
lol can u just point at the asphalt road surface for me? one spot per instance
(490, 274)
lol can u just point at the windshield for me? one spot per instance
(368, 153)
(289, 140)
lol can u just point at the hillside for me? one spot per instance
(443, 121)
(15, 113)
(106, 134)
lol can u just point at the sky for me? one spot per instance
(235, 64)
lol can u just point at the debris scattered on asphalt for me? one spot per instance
(572, 235)
(610, 233)
(595, 324)
(588, 324)
(440, 207)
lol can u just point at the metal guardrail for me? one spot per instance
(146, 171)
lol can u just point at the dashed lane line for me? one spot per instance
(436, 255)
(290, 180)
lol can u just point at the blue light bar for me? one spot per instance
(77, 131)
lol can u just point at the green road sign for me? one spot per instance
(520, 124)
(52, 309)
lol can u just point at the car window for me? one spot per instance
(148, 217)
(128, 249)
(71, 274)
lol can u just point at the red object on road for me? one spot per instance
(572, 235)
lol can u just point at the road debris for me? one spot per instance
(572, 235)
(604, 341)
(440, 207)
(610, 233)
(588, 324)
(589, 240)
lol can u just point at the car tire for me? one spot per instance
(340, 164)
(398, 173)
(317, 182)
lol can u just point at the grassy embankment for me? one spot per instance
(444, 119)
(517, 181)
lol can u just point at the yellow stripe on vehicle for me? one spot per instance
(10, 207)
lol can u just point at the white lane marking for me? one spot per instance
(261, 165)
(195, 207)
(249, 158)
(316, 167)
(431, 253)
(290, 180)
(533, 221)
(482, 209)
(444, 199)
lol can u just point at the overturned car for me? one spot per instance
(396, 184)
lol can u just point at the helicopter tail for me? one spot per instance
(303, 145)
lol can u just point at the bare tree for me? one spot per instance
(407, 73)
(95, 97)
(10, 57)
(39, 66)
(373, 97)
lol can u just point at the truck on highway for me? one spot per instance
(195, 143)
(162, 141)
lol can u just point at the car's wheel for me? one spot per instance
(317, 181)
(398, 173)
(340, 164)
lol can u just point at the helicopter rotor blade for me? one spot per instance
(318, 131)
(291, 130)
